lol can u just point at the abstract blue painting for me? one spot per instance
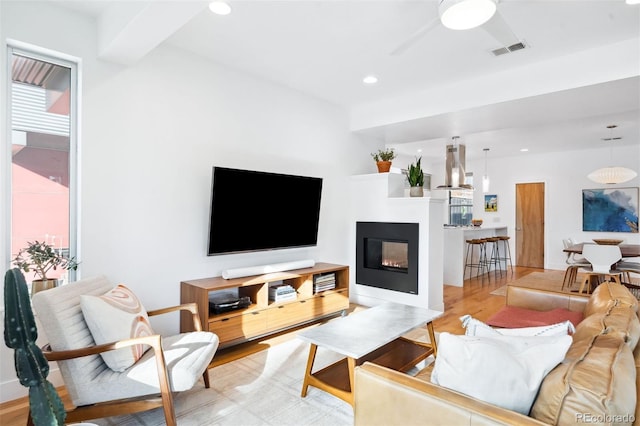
(610, 210)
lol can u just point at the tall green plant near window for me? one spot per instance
(32, 368)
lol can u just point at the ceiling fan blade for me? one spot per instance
(498, 28)
(421, 32)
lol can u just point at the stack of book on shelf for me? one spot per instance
(281, 293)
(324, 282)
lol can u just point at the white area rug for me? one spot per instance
(260, 389)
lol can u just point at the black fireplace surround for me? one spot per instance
(387, 255)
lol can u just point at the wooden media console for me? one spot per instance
(264, 316)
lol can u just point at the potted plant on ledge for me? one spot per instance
(415, 176)
(41, 258)
(383, 159)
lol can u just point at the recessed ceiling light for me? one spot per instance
(419, 150)
(524, 150)
(370, 79)
(633, 1)
(220, 7)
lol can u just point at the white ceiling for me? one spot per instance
(325, 48)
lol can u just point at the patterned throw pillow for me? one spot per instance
(117, 315)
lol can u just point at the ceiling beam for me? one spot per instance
(593, 66)
(127, 31)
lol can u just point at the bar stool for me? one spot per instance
(494, 258)
(506, 252)
(475, 246)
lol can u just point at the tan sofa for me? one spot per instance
(595, 384)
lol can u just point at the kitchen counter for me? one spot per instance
(455, 248)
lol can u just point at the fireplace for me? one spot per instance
(387, 255)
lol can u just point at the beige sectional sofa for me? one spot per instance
(597, 383)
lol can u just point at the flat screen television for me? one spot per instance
(253, 210)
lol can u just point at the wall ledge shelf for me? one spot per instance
(391, 185)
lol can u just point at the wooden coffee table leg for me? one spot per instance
(432, 337)
(352, 370)
(312, 356)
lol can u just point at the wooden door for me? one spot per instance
(530, 224)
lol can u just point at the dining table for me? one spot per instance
(627, 250)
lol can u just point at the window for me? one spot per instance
(461, 204)
(42, 111)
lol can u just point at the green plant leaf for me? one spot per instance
(384, 155)
(415, 175)
(46, 406)
(41, 257)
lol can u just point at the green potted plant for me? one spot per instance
(383, 159)
(415, 176)
(32, 368)
(40, 258)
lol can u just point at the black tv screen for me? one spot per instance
(252, 210)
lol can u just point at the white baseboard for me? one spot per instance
(12, 389)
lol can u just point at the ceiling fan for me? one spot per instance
(468, 14)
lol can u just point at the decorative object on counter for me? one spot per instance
(612, 174)
(607, 241)
(415, 176)
(32, 368)
(491, 203)
(383, 159)
(485, 177)
(40, 258)
(610, 210)
(476, 222)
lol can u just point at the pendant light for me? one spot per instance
(455, 170)
(612, 174)
(485, 177)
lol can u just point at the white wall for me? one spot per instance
(380, 197)
(564, 175)
(150, 136)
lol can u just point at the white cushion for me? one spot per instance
(117, 315)
(502, 370)
(475, 327)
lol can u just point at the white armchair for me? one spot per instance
(173, 364)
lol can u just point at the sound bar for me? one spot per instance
(265, 269)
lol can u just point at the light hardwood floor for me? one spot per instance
(473, 298)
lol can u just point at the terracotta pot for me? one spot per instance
(383, 166)
(416, 191)
(40, 285)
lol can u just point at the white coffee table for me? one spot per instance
(375, 335)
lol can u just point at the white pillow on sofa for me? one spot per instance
(475, 327)
(117, 315)
(502, 370)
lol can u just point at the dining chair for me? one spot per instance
(627, 268)
(602, 258)
(575, 263)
